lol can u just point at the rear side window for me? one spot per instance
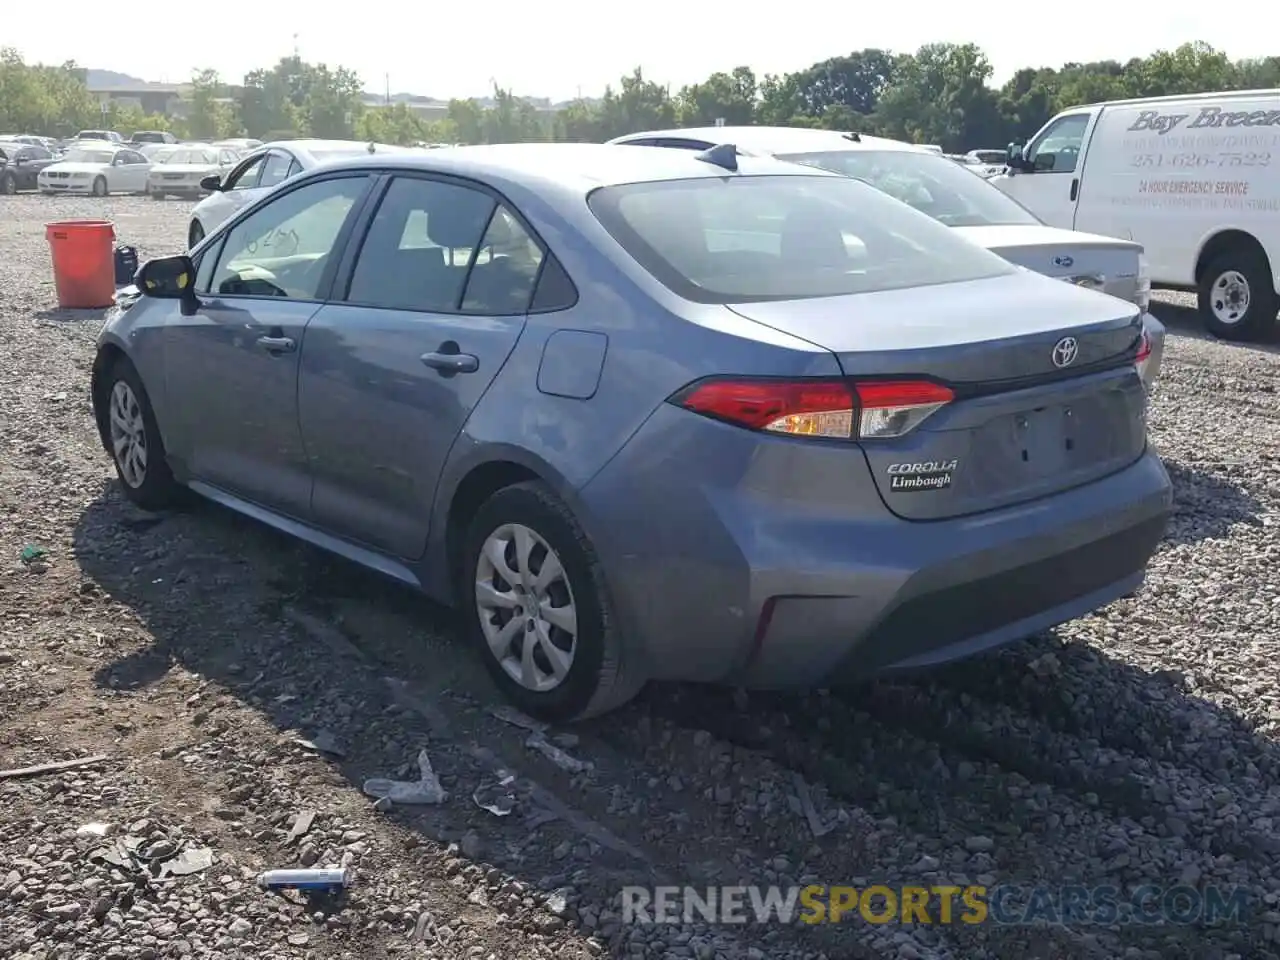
(438, 247)
(742, 239)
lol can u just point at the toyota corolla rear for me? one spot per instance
(963, 463)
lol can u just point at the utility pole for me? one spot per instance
(386, 77)
(296, 54)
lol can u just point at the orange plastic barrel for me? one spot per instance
(84, 268)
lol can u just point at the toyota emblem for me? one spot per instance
(1064, 261)
(1065, 351)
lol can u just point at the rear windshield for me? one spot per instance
(742, 239)
(930, 183)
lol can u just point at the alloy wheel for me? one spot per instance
(128, 435)
(526, 607)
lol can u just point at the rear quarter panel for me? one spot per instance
(656, 344)
(1164, 175)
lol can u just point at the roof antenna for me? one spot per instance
(723, 155)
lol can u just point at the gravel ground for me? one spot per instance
(242, 687)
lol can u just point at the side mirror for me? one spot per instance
(1044, 161)
(167, 278)
(212, 183)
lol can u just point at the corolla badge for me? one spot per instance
(1065, 351)
(1064, 261)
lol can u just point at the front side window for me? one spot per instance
(930, 183)
(276, 170)
(742, 239)
(246, 178)
(1058, 149)
(281, 249)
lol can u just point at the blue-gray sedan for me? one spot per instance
(648, 414)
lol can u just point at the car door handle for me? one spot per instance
(277, 344)
(1075, 188)
(451, 362)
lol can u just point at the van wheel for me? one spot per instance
(538, 610)
(1237, 296)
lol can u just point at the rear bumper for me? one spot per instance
(737, 559)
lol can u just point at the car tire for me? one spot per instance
(1238, 299)
(195, 233)
(8, 185)
(129, 428)
(156, 195)
(598, 676)
(100, 187)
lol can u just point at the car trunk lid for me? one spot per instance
(1094, 262)
(1046, 396)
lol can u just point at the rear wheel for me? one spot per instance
(8, 184)
(157, 195)
(1237, 296)
(195, 234)
(538, 610)
(134, 442)
(100, 187)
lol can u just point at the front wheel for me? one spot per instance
(195, 234)
(538, 610)
(100, 187)
(8, 185)
(133, 441)
(1238, 297)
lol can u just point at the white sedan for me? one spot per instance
(96, 168)
(180, 170)
(261, 171)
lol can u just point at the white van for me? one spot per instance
(1194, 179)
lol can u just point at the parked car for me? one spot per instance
(556, 384)
(261, 171)
(98, 135)
(96, 168)
(181, 170)
(1191, 178)
(27, 138)
(151, 136)
(950, 194)
(20, 165)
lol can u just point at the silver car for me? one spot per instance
(647, 414)
(934, 185)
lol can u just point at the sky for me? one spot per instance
(563, 48)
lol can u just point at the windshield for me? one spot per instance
(75, 155)
(202, 157)
(989, 156)
(92, 135)
(741, 239)
(930, 183)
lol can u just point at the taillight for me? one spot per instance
(1143, 356)
(838, 409)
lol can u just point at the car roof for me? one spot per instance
(775, 140)
(575, 167)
